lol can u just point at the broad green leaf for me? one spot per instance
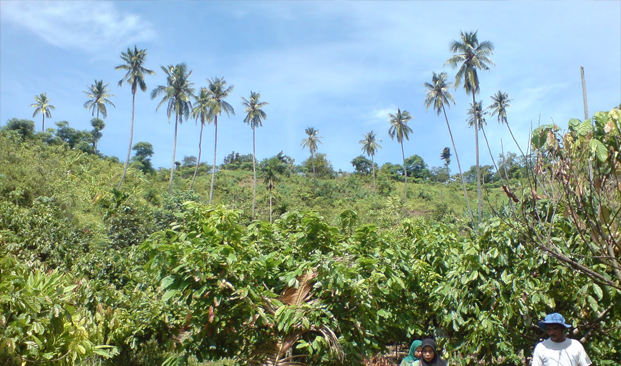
(598, 291)
(167, 281)
(598, 149)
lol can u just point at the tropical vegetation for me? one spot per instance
(207, 267)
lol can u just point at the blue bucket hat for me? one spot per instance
(554, 318)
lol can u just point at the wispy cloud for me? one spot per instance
(89, 26)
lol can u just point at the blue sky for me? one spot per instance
(337, 66)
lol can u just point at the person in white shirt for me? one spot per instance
(558, 350)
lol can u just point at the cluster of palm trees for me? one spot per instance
(178, 94)
(469, 56)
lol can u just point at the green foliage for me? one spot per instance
(165, 279)
(362, 165)
(235, 161)
(323, 167)
(416, 167)
(24, 127)
(373, 287)
(142, 159)
(39, 319)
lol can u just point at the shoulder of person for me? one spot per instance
(576, 343)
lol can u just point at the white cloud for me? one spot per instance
(89, 26)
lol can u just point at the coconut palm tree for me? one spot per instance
(439, 96)
(218, 91)
(44, 107)
(202, 112)
(311, 143)
(499, 108)
(399, 129)
(98, 94)
(254, 117)
(134, 65)
(370, 145)
(477, 115)
(471, 55)
(178, 93)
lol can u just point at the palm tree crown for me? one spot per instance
(134, 61)
(202, 111)
(311, 141)
(370, 144)
(177, 92)
(499, 106)
(98, 94)
(437, 92)
(476, 114)
(218, 91)
(42, 106)
(399, 125)
(470, 55)
(254, 114)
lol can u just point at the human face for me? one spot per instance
(428, 353)
(418, 352)
(556, 332)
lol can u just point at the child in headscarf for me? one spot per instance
(430, 356)
(414, 356)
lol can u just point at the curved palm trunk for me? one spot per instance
(489, 149)
(213, 169)
(476, 143)
(131, 139)
(405, 174)
(254, 172)
(172, 168)
(463, 182)
(200, 150)
(513, 137)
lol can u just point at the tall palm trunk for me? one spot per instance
(43, 123)
(405, 174)
(172, 167)
(200, 150)
(213, 169)
(131, 139)
(374, 183)
(254, 173)
(271, 187)
(463, 182)
(314, 173)
(476, 143)
(94, 139)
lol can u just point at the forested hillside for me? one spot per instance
(331, 271)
